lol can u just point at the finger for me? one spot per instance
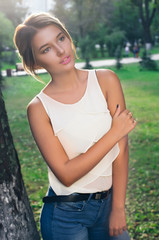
(126, 111)
(115, 232)
(134, 121)
(124, 228)
(111, 232)
(130, 114)
(117, 112)
(120, 231)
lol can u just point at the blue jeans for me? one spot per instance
(84, 220)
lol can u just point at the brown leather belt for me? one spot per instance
(78, 197)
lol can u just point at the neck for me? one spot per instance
(65, 81)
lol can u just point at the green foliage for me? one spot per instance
(155, 26)
(147, 13)
(127, 20)
(10, 57)
(147, 62)
(14, 10)
(113, 40)
(86, 50)
(6, 32)
(109, 23)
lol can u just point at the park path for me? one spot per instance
(112, 62)
(96, 63)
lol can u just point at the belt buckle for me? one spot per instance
(98, 196)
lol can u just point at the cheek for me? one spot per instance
(49, 62)
(44, 60)
(73, 50)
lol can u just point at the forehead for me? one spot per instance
(45, 35)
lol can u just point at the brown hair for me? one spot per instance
(26, 31)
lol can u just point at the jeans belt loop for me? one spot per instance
(90, 196)
(98, 196)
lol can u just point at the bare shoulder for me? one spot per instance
(108, 80)
(34, 103)
(111, 88)
(35, 109)
(107, 76)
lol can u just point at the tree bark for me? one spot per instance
(147, 18)
(16, 216)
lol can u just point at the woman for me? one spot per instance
(80, 125)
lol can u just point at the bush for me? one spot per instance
(9, 56)
(113, 40)
(147, 63)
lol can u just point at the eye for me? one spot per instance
(46, 50)
(62, 38)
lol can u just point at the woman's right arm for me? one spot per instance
(70, 170)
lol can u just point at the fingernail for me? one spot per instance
(117, 105)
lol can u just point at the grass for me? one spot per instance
(141, 90)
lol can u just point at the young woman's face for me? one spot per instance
(53, 50)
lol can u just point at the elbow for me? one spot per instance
(68, 184)
(66, 175)
(67, 181)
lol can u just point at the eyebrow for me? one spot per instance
(47, 43)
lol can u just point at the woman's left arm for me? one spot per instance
(120, 175)
(112, 90)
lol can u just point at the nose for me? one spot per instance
(59, 50)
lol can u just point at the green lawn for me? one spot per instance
(141, 89)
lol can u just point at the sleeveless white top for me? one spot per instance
(78, 126)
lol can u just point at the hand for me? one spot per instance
(123, 122)
(117, 222)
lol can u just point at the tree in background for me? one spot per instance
(127, 20)
(12, 13)
(6, 36)
(114, 41)
(99, 20)
(155, 28)
(147, 10)
(13, 10)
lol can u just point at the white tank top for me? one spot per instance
(78, 126)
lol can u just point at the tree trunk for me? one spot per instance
(16, 216)
(147, 18)
(147, 32)
(101, 48)
(148, 39)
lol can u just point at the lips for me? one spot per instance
(66, 60)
